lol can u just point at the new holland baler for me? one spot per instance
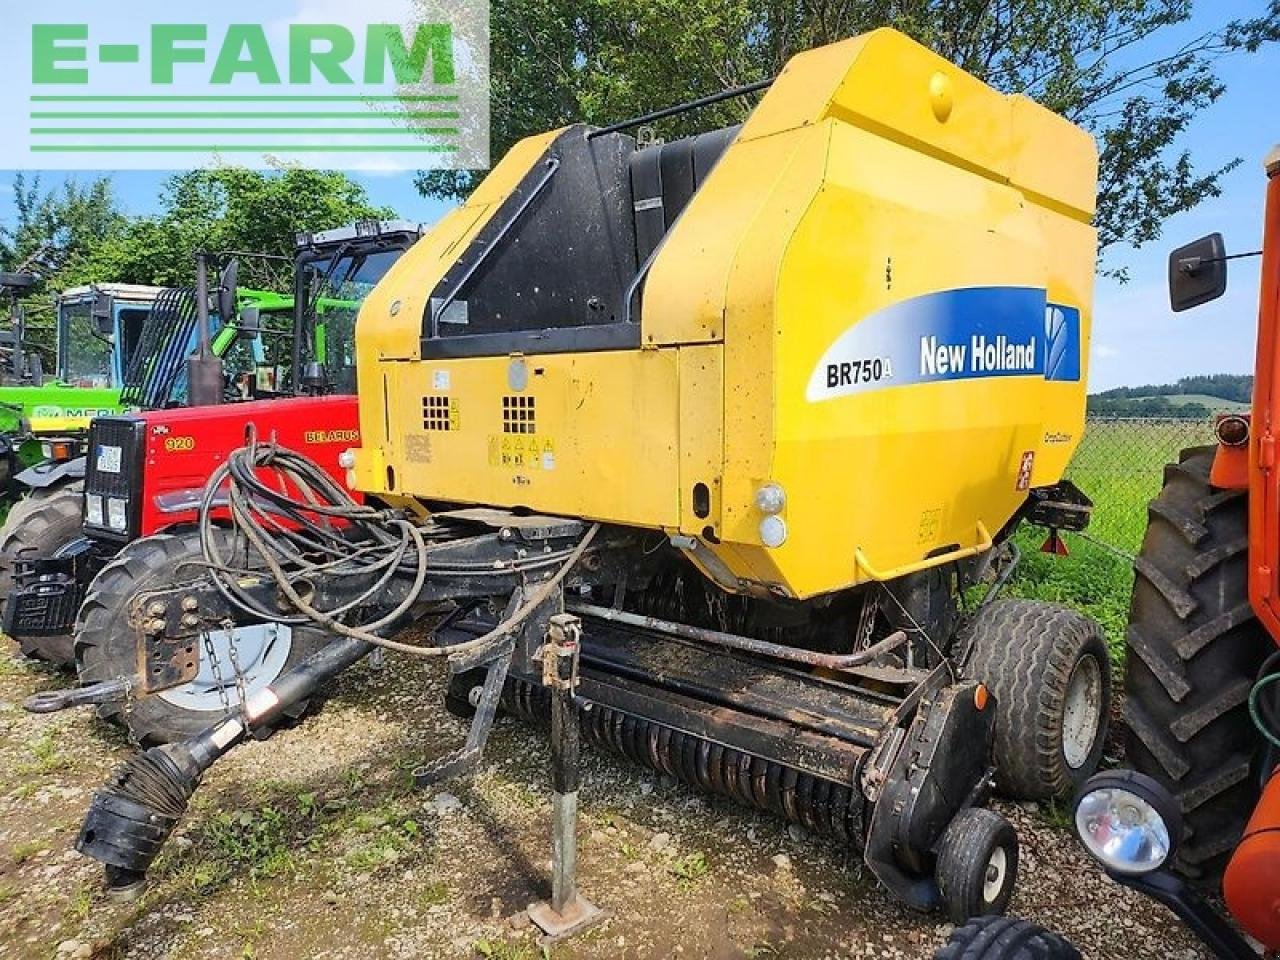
(703, 445)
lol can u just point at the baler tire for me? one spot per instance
(977, 864)
(37, 527)
(104, 646)
(1004, 938)
(1195, 648)
(1031, 655)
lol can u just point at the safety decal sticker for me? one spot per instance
(1024, 471)
(965, 334)
(516, 452)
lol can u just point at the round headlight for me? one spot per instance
(1128, 822)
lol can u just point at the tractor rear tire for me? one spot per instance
(38, 527)
(1194, 651)
(105, 648)
(1004, 938)
(1050, 672)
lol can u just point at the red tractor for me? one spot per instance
(1201, 803)
(146, 473)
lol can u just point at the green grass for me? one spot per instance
(45, 756)
(1120, 467)
(504, 950)
(690, 868)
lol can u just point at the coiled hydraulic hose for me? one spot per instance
(323, 531)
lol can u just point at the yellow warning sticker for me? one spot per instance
(514, 451)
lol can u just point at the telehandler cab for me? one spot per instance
(697, 446)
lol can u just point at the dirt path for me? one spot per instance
(313, 845)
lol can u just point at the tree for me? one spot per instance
(58, 229)
(229, 209)
(1105, 64)
(53, 233)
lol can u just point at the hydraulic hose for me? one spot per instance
(284, 537)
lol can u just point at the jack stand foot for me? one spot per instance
(567, 912)
(578, 914)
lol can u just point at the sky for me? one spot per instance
(1136, 338)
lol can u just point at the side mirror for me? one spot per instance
(250, 323)
(227, 285)
(1197, 273)
(104, 314)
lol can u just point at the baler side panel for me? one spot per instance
(592, 435)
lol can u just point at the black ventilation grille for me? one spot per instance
(517, 415)
(439, 413)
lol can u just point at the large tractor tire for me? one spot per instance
(105, 647)
(38, 527)
(1004, 938)
(1194, 651)
(1048, 667)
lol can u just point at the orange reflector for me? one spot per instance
(980, 697)
(60, 451)
(1055, 545)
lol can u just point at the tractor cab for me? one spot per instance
(206, 365)
(98, 329)
(336, 271)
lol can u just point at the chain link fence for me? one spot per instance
(1120, 466)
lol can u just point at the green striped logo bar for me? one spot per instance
(392, 84)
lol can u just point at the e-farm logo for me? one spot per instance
(404, 87)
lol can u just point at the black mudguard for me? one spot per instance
(47, 473)
(941, 768)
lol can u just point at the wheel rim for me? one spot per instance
(994, 878)
(261, 649)
(1082, 712)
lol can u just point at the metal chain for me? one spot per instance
(229, 627)
(866, 622)
(217, 671)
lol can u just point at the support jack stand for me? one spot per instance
(567, 912)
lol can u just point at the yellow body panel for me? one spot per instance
(879, 299)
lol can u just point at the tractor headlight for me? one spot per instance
(93, 514)
(347, 459)
(773, 531)
(117, 514)
(1128, 822)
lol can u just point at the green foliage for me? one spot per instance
(1147, 407)
(1106, 64)
(1235, 387)
(77, 234)
(225, 209)
(58, 229)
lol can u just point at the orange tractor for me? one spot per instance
(1201, 802)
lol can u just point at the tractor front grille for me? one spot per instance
(114, 473)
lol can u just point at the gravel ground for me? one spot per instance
(313, 844)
